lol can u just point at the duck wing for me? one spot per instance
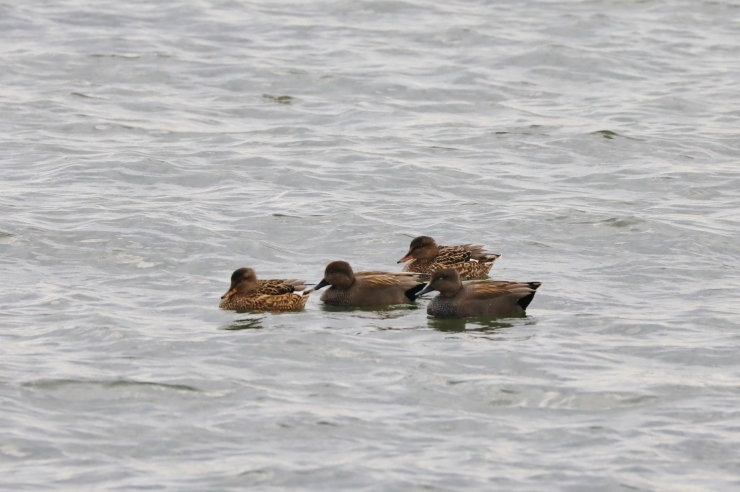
(449, 255)
(465, 252)
(381, 280)
(276, 287)
(489, 289)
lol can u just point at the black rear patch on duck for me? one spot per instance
(411, 293)
(524, 301)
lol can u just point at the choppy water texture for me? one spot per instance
(150, 148)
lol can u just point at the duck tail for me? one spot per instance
(411, 293)
(491, 258)
(524, 301)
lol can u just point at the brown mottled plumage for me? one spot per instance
(366, 288)
(249, 294)
(470, 260)
(477, 298)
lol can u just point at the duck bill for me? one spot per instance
(405, 258)
(428, 288)
(230, 293)
(321, 284)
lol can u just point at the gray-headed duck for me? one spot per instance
(477, 298)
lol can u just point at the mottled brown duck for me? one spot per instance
(249, 294)
(358, 289)
(427, 257)
(477, 298)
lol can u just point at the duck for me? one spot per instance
(372, 288)
(247, 293)
(426, 257)
(478, 297)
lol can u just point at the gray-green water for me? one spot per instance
(150, 148)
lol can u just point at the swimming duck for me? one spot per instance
(427, 257)
(477, 298)
(367, 288)
(249, 294)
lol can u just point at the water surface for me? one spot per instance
(149, 149)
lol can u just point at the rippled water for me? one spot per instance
(150, 148)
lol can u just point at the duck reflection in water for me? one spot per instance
(246, 324)
(392, 311)
(484, 324)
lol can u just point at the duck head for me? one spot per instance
(337, 274)
(243, 281)
(446, 281)
(421, 248)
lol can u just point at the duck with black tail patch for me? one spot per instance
(367, 289)
(477, 298)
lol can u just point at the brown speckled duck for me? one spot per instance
(470, 260)
(360, 289)
(249, 294)
(477, 298)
